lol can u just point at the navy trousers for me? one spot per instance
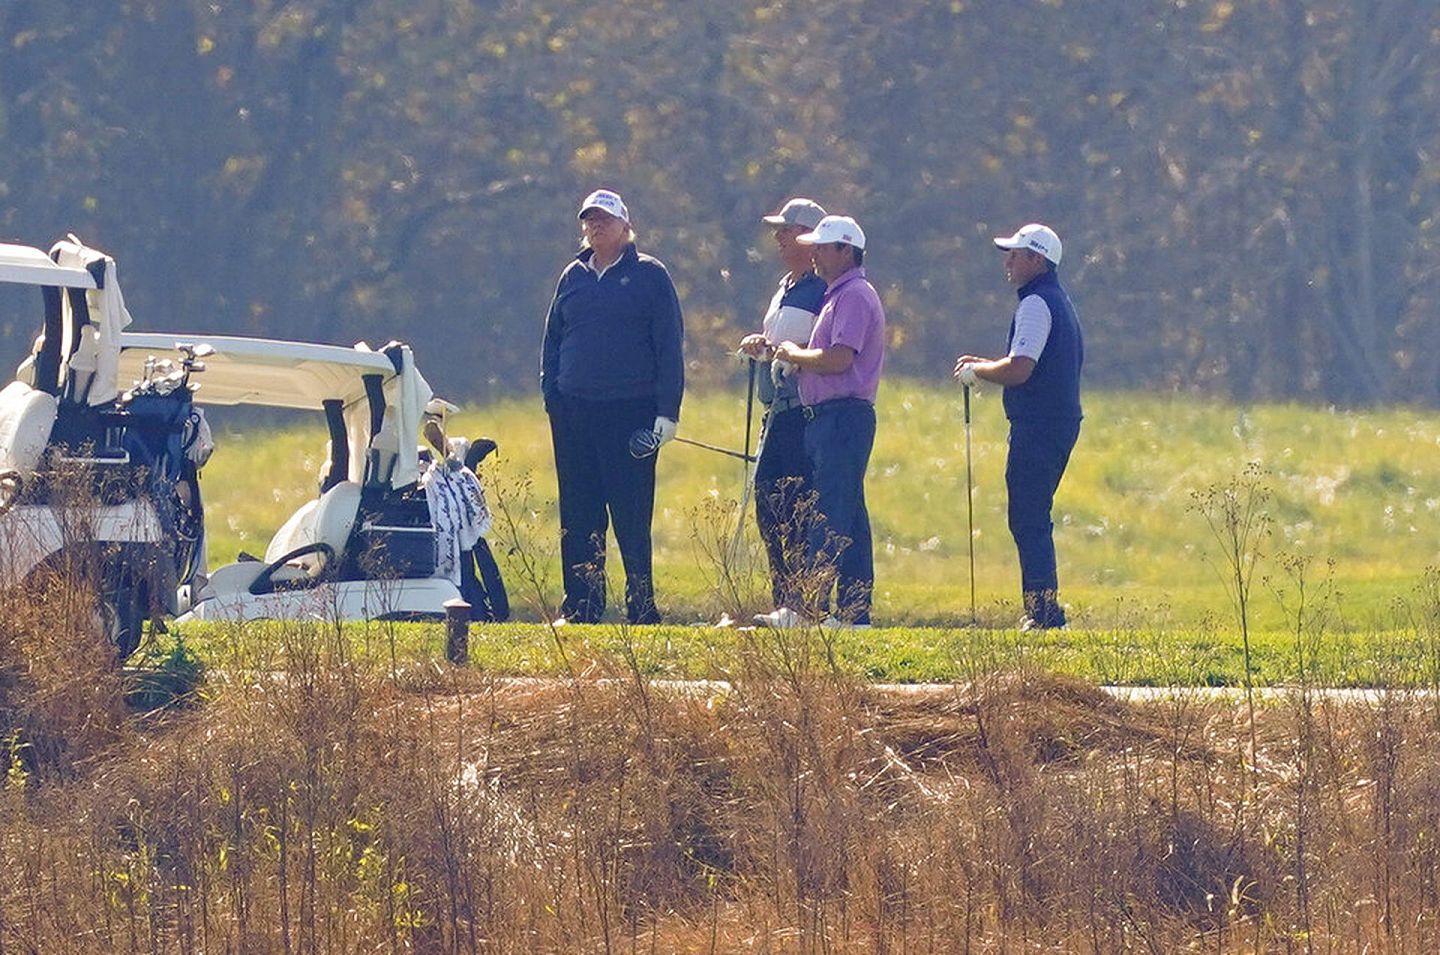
(600, 482)
(782, 485)
(838, 439)
(1039, 451)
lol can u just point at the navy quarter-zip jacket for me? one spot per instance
(620, 335)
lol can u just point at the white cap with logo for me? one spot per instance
(1036, 238)
(605, 201)
(835, 229)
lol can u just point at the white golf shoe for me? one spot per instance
(782, 619)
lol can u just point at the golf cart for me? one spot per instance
(365, 547)
(92, 488)
(98, 478)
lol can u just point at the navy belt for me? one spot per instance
(782, 405)
(834, 404)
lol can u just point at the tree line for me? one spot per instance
(1247, 192)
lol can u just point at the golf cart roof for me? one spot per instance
(268, 372)
(74, 355)
(378, 396)
(23, 265)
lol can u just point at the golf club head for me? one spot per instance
(479, 449)
(643, 443)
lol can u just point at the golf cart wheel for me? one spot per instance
(10, 484)
(121, 616)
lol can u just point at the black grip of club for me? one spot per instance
(643, 443)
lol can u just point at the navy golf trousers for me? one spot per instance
(782, 483)
(1039, 450)
(601, 482)
(838, 440)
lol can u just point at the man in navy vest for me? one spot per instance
(1041, 377)
(782, 473)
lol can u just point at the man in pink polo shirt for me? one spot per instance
(839, 377)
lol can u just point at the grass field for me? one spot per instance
(1402, 657)
(1359, 488)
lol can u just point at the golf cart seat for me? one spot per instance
(307, 548)
(313, 539)
(27, 417)
(384, 452)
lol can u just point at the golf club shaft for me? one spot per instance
(969, 503)
(718, 450)
(749, 407)
(749, 480)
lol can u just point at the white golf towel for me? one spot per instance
(458, 511)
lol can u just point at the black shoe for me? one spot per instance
(576, 615)
(1055, 622)
(645, 618)
(1042, 612)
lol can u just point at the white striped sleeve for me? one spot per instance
(792, 324)
(1032, 328)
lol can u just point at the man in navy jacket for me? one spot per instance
(1041, 376)
(612, 363)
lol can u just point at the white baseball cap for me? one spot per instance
(1036, 238)
(806, 212)
(605, 201)
(835, 229)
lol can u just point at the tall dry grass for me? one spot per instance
(318, 801)
(60, 689)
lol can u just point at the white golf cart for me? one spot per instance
(364, 548)
(77, 498)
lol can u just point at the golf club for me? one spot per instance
(742, 455)
(749, 405)
(969, 504)
(644, 443)
(749, 480)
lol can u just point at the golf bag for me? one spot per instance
(480, 582)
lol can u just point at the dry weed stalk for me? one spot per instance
(1236, 514)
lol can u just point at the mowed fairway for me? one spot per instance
(1359, 488)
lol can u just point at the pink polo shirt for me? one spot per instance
(851, 315)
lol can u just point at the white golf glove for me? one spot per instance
(665, 429)
(966, 376)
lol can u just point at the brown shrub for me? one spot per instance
(60, 690)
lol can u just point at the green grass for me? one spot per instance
(1193, 657)
(1361, 488)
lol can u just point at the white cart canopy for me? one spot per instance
(304, 376)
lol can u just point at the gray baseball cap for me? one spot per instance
(806, 212)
